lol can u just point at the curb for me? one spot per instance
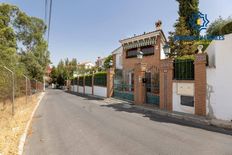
(196, 119)
(24, 135)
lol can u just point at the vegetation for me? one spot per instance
(220, 27)
(107, 62)
(183, 28)
(64, 71)
(23, 48)
(88, 80)
(100, 79)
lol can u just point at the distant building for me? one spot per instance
(85, 65)
(117, 58)
(100, 62)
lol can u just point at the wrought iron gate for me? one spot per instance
(122, 88)
(152, 86)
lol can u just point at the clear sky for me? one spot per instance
(86, 29)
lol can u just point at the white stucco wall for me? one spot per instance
(80, 89)
(75, 88)
(162, 55)
(119, 61)
(72, 88)
(88, 90)
(100, 91)
(189, 91)
(219, 79)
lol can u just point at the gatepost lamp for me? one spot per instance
(166, 49)
(200, 47)
(140, 55)
(111, 63)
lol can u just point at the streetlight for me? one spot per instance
(13, 91)
(111, 63)
(140, 55)
(200, 47)
(166, 49)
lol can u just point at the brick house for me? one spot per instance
(151, 44)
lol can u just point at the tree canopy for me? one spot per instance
(220, 27)
(22, 43)
(187, 8)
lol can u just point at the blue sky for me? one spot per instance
(86, 29)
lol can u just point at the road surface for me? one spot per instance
(66, 124)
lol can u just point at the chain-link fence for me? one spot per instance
(14, 86)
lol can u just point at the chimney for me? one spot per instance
(158, 25)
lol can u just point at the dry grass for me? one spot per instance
(12, 127)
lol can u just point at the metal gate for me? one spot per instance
(152, 86)
(123, 89)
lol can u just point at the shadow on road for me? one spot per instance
(165, 119)
(86, 97)
(154, 116)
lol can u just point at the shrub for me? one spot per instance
(88, 80)
(81, 81)
(100, 79)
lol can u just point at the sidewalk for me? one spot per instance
(177, 115)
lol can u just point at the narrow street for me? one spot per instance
(69, 124)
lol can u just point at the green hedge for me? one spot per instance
(81, 81)
(88, 80)
(100, 79)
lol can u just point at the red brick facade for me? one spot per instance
(166, 78)
(200, 84)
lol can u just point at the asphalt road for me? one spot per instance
(68, 124)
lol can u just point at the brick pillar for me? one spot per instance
(166, 76)
(93, 84)
(200, 84)
(114, 61)
(110, 82)
(78, 84)
(139, 87)
(84, 84)
(68, 84)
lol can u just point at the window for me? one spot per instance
(187, 101)
(148, 50)
(131, 53)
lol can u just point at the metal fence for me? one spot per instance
(183, 69)
(13, 86)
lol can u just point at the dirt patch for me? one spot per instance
(12, 127)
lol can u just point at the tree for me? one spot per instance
(220, 27)
(187, 8)
(17, 28)
(107, 62)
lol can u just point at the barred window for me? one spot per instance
(148, 50)
(131, 53)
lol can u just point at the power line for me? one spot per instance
(49, 21)
(46, 8)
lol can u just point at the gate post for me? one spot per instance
(110, 82)
(139, 89)
(200, 84)
(166, 76)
